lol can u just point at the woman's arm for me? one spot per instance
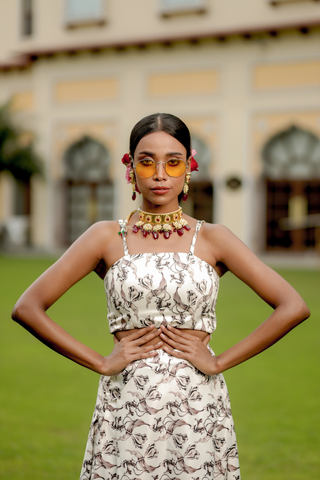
(30, 310)
(289, 307)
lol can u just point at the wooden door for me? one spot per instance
(283, 198)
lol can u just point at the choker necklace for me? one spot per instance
(156, 223)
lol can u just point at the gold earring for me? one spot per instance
(186, 187)
(133, 183)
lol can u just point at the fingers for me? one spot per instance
(146, 352)
(139, 332)
(151, 347)
(177, 346)
(147, 337)
(183, 347)
(168, 336)
(139, 356)
(181, 337)
(177, 334)
(176, 352)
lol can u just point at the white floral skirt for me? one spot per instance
(161, 419)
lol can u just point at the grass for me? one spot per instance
(46, 401)
(275, 396)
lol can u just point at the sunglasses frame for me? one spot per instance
(157, 163)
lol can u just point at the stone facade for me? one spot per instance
(238, 73)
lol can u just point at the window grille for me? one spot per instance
(89, 188)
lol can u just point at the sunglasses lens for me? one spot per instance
(175, 168)
(146, 168)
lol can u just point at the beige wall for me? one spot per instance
(232, 86)
(294, 74)
(143, 21)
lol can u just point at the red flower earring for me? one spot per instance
(193, 164)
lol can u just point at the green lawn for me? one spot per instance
(46, 401)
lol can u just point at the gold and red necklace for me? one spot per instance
(156, 223)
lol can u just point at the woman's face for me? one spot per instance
(160, 189)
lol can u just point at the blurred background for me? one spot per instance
(75, 76)
(244, 76)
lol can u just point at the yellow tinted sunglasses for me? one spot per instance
(146, 168)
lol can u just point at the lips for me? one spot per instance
(160, 190)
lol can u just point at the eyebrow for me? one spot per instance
(153, 154)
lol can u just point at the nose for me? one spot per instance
(161, 171)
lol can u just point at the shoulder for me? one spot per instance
(209, 229)
(225, 241)
(226, 248)
(93, 248)
(232, 253)
(217, 235)
(106, 227)
(96, 237)
(102, 230)
(209, 244)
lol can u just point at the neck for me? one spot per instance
(150, 207)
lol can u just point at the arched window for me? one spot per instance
(292, 175)
(89, 187)
(200, 198)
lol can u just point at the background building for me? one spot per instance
(244, 75)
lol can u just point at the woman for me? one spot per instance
(163, 409)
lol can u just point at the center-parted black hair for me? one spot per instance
(161, 122)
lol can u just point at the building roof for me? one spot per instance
(25, 59)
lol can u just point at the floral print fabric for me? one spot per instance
(161, 288)
(161, 418)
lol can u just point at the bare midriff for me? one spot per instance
(195, 333)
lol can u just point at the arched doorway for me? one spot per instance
(292, 179)
(200, 198)
(88, 184)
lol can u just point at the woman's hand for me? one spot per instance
(190, 348)
(131, 348)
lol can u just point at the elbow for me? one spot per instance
(26, 311)
(302, 312)
(20, 313)
(305, 312)
(16, 313)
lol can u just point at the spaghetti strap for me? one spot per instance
(123, 231)
(198, 226)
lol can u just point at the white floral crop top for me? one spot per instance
(178, 289)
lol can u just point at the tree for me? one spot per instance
(17, 153)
